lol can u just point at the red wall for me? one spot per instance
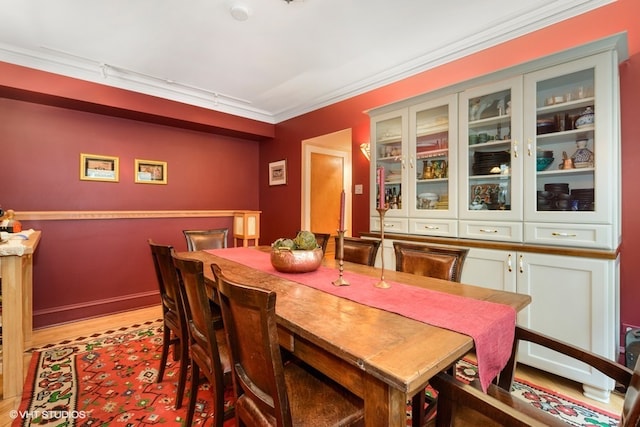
(614, 18)
(83, 268)
(90, 267)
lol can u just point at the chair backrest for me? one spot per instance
(620, 373)
(357, 250)
(167, 281)
(198, 240)
(455, 398)
(200, 322)
(431, 261)
(249, 317)
(322, 239)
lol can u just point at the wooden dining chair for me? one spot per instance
(323, 240)
(198, 240)
(207, 345)
(458, 401)
(174, 330)
(360, 251)
(431, 261)
(270, 392)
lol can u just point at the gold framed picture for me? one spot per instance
(95, 167)
(150, 172)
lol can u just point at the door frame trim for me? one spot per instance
(315, 145)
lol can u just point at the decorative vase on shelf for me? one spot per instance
(583, 157)
(586, 118)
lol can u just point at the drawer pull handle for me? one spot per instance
(431, 227)
(389, 225)
(521, 263)
(509, 264)
(487, 230)
(563, 234)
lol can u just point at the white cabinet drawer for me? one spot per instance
(488, 230)
(581, 235)
(391, 225)
(434, 227)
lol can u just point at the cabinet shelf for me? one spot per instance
(432, 180)
(392, 159)
(496, 177)
(442, 152)
(395, 139)
(555, 137)
(506, 143)
(440, 129)
(482, 123)
(565, 106)
(559, 172)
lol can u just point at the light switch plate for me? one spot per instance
(358, 189)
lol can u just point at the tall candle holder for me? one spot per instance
(382, 284)
(340, 281)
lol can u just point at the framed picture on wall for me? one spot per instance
(94, 167)
(278, 172)
(150, 172)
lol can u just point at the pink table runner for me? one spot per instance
(491, 325)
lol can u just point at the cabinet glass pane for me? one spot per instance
(389, 156)
(490, 151)
(432, 158)
(565, 158)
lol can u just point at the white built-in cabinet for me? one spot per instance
(463, 166)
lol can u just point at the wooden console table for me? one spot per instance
(17, 314)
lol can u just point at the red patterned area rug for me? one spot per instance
(109, 379)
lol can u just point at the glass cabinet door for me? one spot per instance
(490, 153)
(432, 145)
(388, 153)
(566, 173)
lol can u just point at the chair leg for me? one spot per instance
(166, 342)
(182, 375)
(417, 409)
(193, 396)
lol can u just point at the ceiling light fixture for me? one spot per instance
(239, 12)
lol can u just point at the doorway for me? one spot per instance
(326, 171)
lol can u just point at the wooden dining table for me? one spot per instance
(382, 357)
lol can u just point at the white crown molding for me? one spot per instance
(520, 25)
(111, 75)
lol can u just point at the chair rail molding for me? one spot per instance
(101, 215)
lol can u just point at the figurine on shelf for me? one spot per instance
(583, 157)
(9, 223)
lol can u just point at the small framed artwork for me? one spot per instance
(278, 172)
(94, 167)
(151, 172)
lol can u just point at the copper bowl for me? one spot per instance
(298, 261)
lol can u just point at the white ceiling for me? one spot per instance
(286, 59)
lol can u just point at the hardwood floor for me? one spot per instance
(73, 330)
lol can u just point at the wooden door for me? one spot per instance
(327, 181)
